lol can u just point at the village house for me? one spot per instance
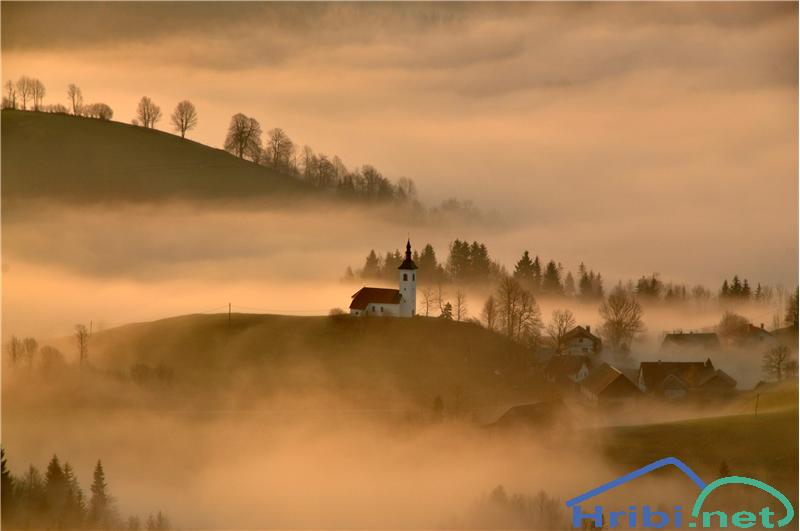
(696, 341)
(680, 379)
(607, 385)
(387, 302)
(567, 369)
(581, 341)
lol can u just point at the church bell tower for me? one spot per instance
(408, 285)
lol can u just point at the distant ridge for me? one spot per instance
(70, 158)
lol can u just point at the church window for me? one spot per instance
(413, 276)
(405, 277)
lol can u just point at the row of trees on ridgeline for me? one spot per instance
(17, 95)
(469, 264)
(57, 501)
(279, 152)
(243, 139)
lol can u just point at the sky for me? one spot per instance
(640, 137)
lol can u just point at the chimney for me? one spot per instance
(762, 326)
(589, 328)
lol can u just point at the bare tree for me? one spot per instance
(561, 322)
(101, 111)
(438, 298)
(509, 294)
(279, 148)
(244, 137)
(427, 300)
(148, 112)
(776, 362)
(518, 312)
(25, 90)
(37, 93)
(11, 94)
(15, 350)
(184, 117)
(529, 322)
(75, 98)
(82, 341)
(489, 313)
(622, 319)
(461, 305)
(31, 347)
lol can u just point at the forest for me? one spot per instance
(56, 500)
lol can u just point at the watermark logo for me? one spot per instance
(645, 517)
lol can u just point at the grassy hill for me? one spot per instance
(83, 159)
(762, 446)
(373, 362)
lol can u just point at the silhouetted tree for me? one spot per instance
(775, 362)
(55, 488)
(75, 98)
(244, 137)
(447, 311)
(649, 287)
(551, 281)
(461, 305)
(101, 111)
(11, 94)
(31, 347)
(15, 350)
(25, 90)
(82, 341)
(7, 487)
(280, 148)
(148, 113)
(622, 317)
(561, 322)
(37, 93)
(184, 117)
(75, 505)
(100, 503)
(372, 266)
(489, 313)
(792, 309)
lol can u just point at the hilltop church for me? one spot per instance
(400, 302)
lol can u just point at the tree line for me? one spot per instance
(470, 264)
(278, 151)
(18, 94)
(56, 500)
(244, 139)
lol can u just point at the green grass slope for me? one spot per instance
(374, 361)
(763, 446)
(83, 159)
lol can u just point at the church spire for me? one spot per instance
(408, 263)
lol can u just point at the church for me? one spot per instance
(388, 302)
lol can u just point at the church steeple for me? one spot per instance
(408, 263)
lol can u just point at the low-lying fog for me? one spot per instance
(116, 264)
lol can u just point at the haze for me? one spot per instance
(634, 137)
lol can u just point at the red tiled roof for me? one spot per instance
(366, 296)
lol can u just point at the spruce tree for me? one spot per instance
(7, 498)
(100, 502)
(75, 510)
(55, 487)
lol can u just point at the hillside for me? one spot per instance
(83, 159)
(373, 362)
(763, 446)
